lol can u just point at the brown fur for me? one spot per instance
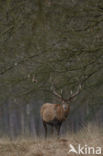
(51, 111)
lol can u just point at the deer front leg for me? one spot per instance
(45, 128)
(58, 126)
(52, 130)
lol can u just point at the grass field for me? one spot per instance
(90, 135)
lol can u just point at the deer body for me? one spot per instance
(54, 115)
(49, 112)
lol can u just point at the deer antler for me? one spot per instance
(56, 94)
(75, 94)
(60, 96)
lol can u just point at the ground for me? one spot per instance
(90, 136)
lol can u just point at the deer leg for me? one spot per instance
(45, 128)
(58, 128)
(52, 130)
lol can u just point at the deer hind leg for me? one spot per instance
(45, 128)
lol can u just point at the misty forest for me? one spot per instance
(46, 45)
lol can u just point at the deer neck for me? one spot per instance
(65, 110)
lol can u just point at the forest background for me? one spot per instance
(47, 44)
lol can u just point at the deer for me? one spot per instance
(55, 114)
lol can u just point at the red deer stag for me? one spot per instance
(55, 114)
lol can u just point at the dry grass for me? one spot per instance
(91, 136)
